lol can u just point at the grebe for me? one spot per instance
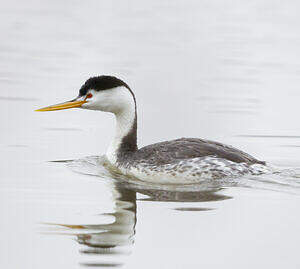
(184, 160)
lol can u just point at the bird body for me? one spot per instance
(184, 160)
(187, 160)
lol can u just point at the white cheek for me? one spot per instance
(104, 101)
(114, 100)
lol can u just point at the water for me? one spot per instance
(226, 71)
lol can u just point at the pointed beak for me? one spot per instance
(65, 105)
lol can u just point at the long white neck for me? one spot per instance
(125, 133)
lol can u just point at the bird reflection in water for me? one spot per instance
(108, 245)
(114, 239)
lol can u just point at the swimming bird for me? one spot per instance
(184, 160)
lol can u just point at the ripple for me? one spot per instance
(290, 146)
(17, 146)
(106, 265)
(25, 99)
(193, 209)
(63, 129)
(270, 136)
(283, 179)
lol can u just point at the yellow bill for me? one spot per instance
(66, 105)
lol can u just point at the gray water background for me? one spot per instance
(223, 70)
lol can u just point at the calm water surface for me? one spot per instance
(223, 70)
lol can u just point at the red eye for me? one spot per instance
(89, 96)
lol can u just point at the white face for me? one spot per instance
(115, 100)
